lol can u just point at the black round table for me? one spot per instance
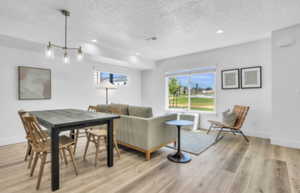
(179, 157)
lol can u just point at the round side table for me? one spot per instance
(179, 157)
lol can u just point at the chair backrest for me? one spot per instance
(37, 137)
(93, 108)
(241, 112)
(22, 115)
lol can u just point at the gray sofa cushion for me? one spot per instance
(137, 111)
(229, 118)
(103, 108)
(123, 108)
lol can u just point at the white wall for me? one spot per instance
(72, 87)
(286, 86)
(248, 54)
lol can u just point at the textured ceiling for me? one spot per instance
(181, 26)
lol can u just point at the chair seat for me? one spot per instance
(64, 142)
(98, 132)
(220, 124)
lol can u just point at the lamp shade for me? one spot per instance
(107, 84)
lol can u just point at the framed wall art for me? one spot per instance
(34, 83)
(230, 79)
(251, 77)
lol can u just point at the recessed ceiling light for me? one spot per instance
(137, 54)
(94, 40)
(219, 31)
(152, 38)
(133, 59)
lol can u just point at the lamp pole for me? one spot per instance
(106, 95)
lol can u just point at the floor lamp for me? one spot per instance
(107, 85)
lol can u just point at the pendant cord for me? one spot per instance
(65, 47)
(66, 22)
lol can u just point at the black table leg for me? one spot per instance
(179, 157)
(110, 148)
(179, 140)
(55, 159)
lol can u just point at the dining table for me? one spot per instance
(59, 120)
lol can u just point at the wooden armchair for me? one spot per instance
(241, 112)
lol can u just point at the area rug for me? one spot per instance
(195, 142)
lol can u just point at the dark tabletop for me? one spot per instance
(63, 117)
(180, 123)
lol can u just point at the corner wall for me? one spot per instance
(243, 55)
(286, 89)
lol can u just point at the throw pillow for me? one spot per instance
(229, 118)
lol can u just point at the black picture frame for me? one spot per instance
(259, 85)
(20, 68)
(223, 72)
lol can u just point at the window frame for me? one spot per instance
(167, 77)
(97, 78)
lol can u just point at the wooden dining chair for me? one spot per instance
(41, 146)
(241, 113)
(22, 115)
(95, 135)
(82, 132)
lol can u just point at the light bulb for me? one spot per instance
(219, 31)
(49, 51)
(79, 57)
(80, 54)
(66, 58)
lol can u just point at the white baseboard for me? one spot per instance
(286, 143)
(12, 140)
(258, 134)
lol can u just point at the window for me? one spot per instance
(193, 91)
(116, 79)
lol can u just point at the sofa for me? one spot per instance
(138, 129)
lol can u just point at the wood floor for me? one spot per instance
(231, 166)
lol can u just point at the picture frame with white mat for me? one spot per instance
(251, 77)
(230, 78)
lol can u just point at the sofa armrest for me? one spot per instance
(159, 133)
(145, 133)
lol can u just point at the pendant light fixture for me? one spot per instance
(65, 48)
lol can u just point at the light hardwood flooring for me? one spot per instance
(231, 166)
